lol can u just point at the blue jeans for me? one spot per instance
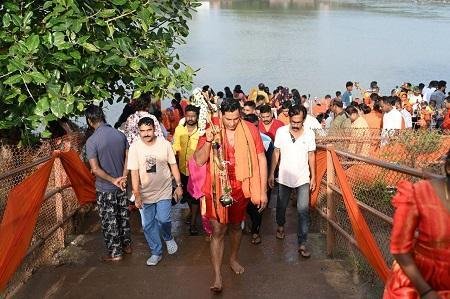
(284, 194)
(156, 221)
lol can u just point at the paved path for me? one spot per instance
(273, 269)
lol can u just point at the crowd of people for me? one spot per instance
(224, 164)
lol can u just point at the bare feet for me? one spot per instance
(217, 286)
(236, 267)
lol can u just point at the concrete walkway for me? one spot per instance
(273, 269)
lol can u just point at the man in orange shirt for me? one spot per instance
(284, 115)
(245, 166)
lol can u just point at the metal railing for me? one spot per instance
(58, 207)
(377, 212)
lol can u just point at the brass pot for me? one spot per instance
(226, 200)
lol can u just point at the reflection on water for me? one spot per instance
(436, 7)
(318, 45)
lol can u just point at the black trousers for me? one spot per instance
(255, 216)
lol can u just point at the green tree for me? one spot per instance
(57, 56)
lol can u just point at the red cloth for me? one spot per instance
(419, 208)
(446, 123)
(184, 103)
(273, 128)
(24, 203)
(236, 212)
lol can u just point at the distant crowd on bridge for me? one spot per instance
(224, 153)
(420, 107)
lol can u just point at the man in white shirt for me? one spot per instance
(311, 123)
(427, 91)
(407, 117)
(294, 149)
(392, 119)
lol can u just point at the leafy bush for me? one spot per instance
(57, 56)
(417, 143)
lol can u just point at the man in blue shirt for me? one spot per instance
(347, 97)
(106, 151)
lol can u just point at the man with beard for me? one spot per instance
(268, 124)
(294, 149)
(106, 150)
(235, 159)
(185, 141)
(152, 164)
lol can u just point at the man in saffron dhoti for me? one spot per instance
(236, 168)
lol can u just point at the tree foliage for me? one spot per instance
(57, 56)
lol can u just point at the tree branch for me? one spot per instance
(29, 92)
(120, 16)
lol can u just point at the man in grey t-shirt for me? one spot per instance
(438, 96)
(106, 151)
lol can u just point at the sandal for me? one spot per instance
(193, 231)
(280, 234)
(304, 252)
(256, 239)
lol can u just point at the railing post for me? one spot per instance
(331, 207)
(60, 178)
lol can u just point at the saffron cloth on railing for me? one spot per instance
(23, 205)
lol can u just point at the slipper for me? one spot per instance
(256, 239)
(193, 231)
(280, 234)
(304, 252)
(216, 290)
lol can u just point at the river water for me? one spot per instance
(317, 45)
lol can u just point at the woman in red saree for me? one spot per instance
(422, 261)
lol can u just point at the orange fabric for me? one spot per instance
(419, 208)
(397, 152)
(361, 174)
(247, 165)
(321, 169)
(363, 235)
(212, 186)
(446, 123)
(364, 238)
(184, 103)
(165, 119)
(242, 186)
(320, 106)
(283, 118)
(23, 205)
(175, 120)
(425, 118)
(170, 119)
(80, 177)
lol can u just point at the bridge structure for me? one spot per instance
(63, 258)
